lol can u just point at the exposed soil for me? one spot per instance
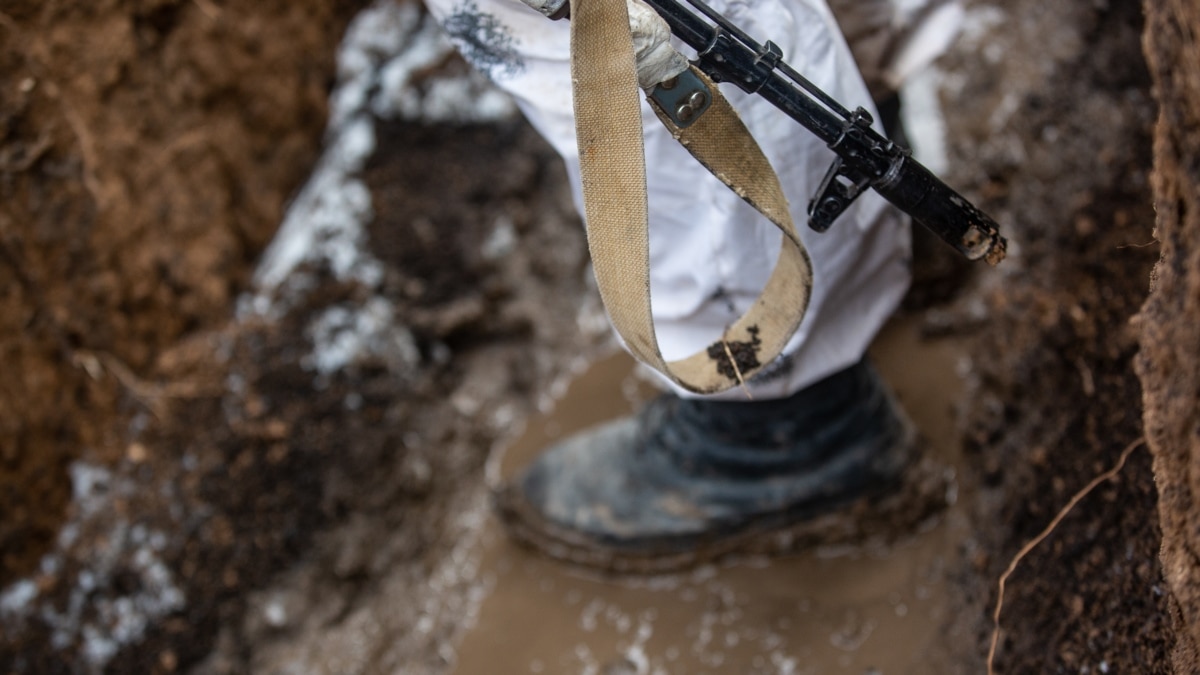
(146, 150)
(1169, 362)
(186, 485)
(1063, 158)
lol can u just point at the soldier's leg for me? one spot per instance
(821, 429)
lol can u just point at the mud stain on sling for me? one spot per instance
(744, 355)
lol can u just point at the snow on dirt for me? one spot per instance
(385, 48)
(98, 615)
(382, 67)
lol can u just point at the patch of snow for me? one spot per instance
(375, 36)
(932, 34)
(461, 99)
(502, 240)
(326, 221)
(979, 23)
(636, 653)
(275, 613)
(923, 120)
(385, 49)
(98, 619)
(343, 335)
(455, 589)
(17, 597)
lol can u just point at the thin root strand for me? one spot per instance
(1033, 543)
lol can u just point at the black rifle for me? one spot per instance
(864, 158)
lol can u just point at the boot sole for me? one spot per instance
(887, 514)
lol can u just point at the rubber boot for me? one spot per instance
(685, 480)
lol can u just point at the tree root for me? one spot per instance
(1033, 543)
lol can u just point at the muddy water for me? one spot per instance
(869, 609)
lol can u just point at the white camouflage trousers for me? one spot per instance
(710, 252)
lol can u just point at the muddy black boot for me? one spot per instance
(686, 481)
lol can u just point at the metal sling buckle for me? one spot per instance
(684, 98)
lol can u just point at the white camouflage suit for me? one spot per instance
(711, 253)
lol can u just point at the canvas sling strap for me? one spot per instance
(613, 169)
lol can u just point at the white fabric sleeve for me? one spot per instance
(547, 7)
(656, 59)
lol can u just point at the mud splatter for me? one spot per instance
(484, 41)
(744, 352)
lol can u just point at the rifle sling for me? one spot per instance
(613, 170)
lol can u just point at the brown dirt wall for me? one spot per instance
(1060, 153)
(1169, 363)
(146, 150)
